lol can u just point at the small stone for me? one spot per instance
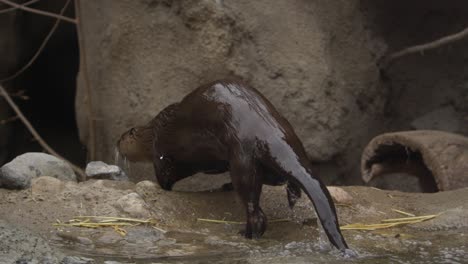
(84, 240)
(88, 196)
(101, 170)
(110, 237)
(77, 260)
(339, 195)
(18, 173)
(72, 237)
(45, 185)
(145, 188)
(133, 205)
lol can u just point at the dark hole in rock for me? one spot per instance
(397, 167)
(50, 84)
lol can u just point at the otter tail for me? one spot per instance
(324, 206)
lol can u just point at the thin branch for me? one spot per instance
(20, 94)
(37, 11)
(84, 72)
(15, 8)
(36, 135)
(41, 48)
(9, 120)
(387, 60)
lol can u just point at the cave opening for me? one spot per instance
(49, 88)
(398, 167)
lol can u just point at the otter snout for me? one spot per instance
(135, 146)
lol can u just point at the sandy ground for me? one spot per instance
(179, 232)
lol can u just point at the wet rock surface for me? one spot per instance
(19, 245)
(77, 260)
(180, 235)
(18, 173)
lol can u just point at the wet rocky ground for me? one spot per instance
(28, 233)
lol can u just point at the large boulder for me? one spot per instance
(18, 173)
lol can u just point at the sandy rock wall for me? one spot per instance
(312, 59)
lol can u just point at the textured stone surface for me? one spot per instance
(45, 184)
(339, 195)
(100, 170)
(18, 173)
(445, 119)
(133, 205)
(19, 245)
(77, 260)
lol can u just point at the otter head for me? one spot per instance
(136, 144)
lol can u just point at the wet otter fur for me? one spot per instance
(229, 126)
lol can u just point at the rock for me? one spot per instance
(74, 238)
(445, 119)
(18, 173)
(339, 195)
(146, 188)
(77, 260)
(133, 205)
(19, 245)
(45, 184)
(109, 238)
(100, 170)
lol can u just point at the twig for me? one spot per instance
(37, 11)
(8, 120)
(387, 60)
(84, 72)
(41, 48)
(15, 8)
(19, 94)
(36, 135)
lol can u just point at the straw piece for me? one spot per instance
(387, 223)
(107, 221)
(119, 219)
(422, 218)
(120, 231)
(403, 213)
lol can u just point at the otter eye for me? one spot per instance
(132, 131)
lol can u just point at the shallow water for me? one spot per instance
(145, 245)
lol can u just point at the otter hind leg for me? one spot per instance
(246, 179)
(293, 191)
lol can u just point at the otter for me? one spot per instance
(228, 125)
